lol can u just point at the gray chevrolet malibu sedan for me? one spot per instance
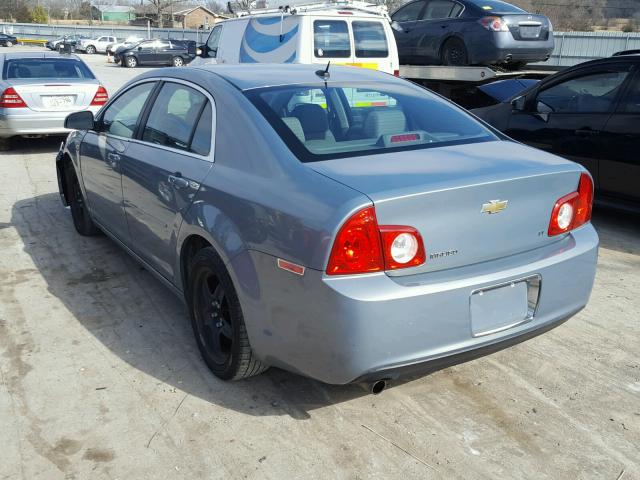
(348, 227)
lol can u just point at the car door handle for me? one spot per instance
(113, 159)
(178, 181)
(586, 132)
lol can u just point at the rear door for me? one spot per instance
(102, 153)
(332, 41)
(620, 162)
(172, 155)
(372, 47)
(163, 52)
(434, 25)
(568, 116)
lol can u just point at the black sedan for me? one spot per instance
(156, 52)
(7, 40)
(470, 32)
(589, 113)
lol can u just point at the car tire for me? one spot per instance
(131, 62)
(90, 50)
(8, 44)
(79, 213)
(454, 53)
(177, 62)
(217, 320)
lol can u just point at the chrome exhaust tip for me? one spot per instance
(377, 387)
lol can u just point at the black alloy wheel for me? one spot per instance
(454, 53)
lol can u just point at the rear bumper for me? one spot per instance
(29, 122)
(366, 327)
(502, 47)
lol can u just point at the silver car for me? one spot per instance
(346, 225)
(39, 90)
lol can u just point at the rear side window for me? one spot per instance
(45, 69)
(595, 93)
(370, 39)
(331, 39)
(121, 117)
(174, 116)
(631, 103)
(438, 9)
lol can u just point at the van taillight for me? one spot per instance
(11, 99)
(574, 209)
(363, 246)
(396, 73)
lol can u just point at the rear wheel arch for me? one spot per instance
(190, 247)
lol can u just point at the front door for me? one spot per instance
(406, 22)
(102, 153)
(568, 117)
(146, 52)
(620, 162)
(164, 170)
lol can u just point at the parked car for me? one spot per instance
(340, 35)
(488, 94)
(470, 32)
(590, 114)
(127, 42)
(7, 40)
(340, 240)
(69, 39)
(155, 52)
(95, 45)
(38, 90)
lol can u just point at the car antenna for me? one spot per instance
(324, 74)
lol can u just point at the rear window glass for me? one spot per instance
(498, 6)
(322, 123)
(45, 68)
(331, 39)
(370, 39)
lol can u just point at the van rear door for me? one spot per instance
(373, 45)
(332, 41)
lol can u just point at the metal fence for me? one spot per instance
(571, 47)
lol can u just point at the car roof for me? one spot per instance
(251, 76)
(43, 55)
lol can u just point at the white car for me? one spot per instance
(112, 47)
(93, 45)
(343, 36)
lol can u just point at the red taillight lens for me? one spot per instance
(574, 209)
(361, 246)
(100, 98)
(396, 73)
(11, 99)
(495, 24)
(402, 246)
(357, 247)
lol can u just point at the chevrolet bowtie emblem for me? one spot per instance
(494, 206)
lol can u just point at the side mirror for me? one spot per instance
(519, 103)
(80, 121)
(397, 27)
(201, 50)
(139, 49)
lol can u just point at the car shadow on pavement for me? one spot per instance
(618, 230)
(126, 310)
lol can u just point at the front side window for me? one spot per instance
(408, 13)
(331, 39)
(213, 41)
(174, 116)
(370, 39)
(593, 93)
(121, 117)
(377, 119)
(38, 68)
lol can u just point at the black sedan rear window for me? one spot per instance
(337, 121)
(45, 69)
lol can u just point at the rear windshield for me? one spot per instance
(370, 39)
(322, 123)
(496, 6)
(48, 69)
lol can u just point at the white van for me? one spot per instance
(342, 36)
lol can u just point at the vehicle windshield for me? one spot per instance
(45, 69)
(496, 6)
(322, 123)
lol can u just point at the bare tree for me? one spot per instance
(161, 6)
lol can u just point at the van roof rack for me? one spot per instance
(345, 5)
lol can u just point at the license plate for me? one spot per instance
(57, 101)
(498, 308)
(529, 32)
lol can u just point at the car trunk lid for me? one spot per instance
(471, 203)
(56, 96)
(527, 27)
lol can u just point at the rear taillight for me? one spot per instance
(574, 209)
(396, 73)
(100, 98)
(495, 24)
(11, 99)
(362, 246)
